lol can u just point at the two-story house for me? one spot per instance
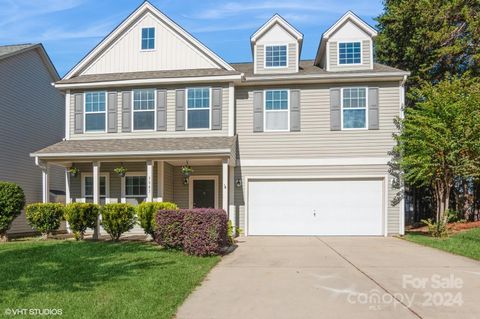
(285, 146)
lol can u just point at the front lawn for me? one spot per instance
(98, 279)
(466, 243)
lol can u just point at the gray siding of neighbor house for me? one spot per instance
(393, 219)
(291, 56)
(32, 118)
(170, 116)
(366, 57)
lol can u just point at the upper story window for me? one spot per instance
(354, 108)
(143, 109)
(277, 115)
(198, 108)
(275, 56)
(349, 53)
(95, 111)
(148, 38)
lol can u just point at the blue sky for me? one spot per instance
(70, 28)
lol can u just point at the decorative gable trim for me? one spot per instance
(129, 21)
(276, 19)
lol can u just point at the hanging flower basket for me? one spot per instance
(73, 171)
(121, 171)
(186, 171)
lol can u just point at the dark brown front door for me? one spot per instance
(203, 193)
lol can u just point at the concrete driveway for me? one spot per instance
(333, 277)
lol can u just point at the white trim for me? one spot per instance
(82, 184)
(349, 64)
(209, 109)
(276, 19)
(225, 185)
(67, 115)
(201, 177)
(154, 110)
(154, 39)
(125, 185)
(46, 183)
(330, 76)
(333, 161)
(371, 53)
(255, 59)
(297, 60)
(85, 112)
(265, 111)
(265, 56)
(357, 108)
(327, 60)
(135, 153)
(231, 109)
(321, 177)
(145, 7)
(350, 16)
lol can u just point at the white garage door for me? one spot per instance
(315, 207)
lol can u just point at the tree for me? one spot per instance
(439, 139)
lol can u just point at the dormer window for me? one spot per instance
(275, 56)
(148, 38)
(349, 53)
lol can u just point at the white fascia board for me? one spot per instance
(336, 161)
(199, 79)
(133, 153)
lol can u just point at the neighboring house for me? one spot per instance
(285, 146)
(32, 118)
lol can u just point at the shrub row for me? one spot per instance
(200, 232)
(12, 200)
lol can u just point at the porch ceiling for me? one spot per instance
(139, 147)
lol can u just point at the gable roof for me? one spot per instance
(348, 16)
(276, 19)
(16, 49)
(144, 8)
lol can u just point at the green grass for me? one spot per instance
(466, 243)
(98, 279)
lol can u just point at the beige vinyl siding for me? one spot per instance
(366, 57)
(180, 191)
(168, 183)
(32, 117)
(393, 221)
(170, 132)
(292, 57)
(315, 139)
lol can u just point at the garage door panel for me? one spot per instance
(315, 207)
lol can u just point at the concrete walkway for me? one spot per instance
(336, 277)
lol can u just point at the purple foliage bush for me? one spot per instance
(204, 231)
(169, 230)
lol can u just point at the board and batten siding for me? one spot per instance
(366, 57)
(292, 59)
(32, 118)
(315, 138)
(170, 132)
(393, 219)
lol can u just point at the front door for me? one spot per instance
(203, 193)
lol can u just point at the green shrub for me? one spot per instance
(118, 219)
(45, 217)
(146, 213)
(12, 200)
(436, 229)
(81, 216)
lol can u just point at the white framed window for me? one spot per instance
(136, 185)
(354, 108)
(148, 38)
(87, 185)
(349, 53)
(144, 104)
(276, 56)
(95, 115)
(277, 110)
(198, 115)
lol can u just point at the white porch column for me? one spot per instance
(231, 198)
(45, 184)
(160, 182)
(149, 181)
(225, 185)
(68, 198)
(96, 195)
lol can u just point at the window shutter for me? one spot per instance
(335, 110)
(161, 110)
(78, 108)
(216, 108)
(112, 112)
(373, 111)
(180, 110)
(295, 110)
(127, 111)
(258, 111)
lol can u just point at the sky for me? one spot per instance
(69, 29)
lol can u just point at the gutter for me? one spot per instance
(327, 76)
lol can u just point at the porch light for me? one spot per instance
(238, 182)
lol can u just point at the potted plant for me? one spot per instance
(186, 172)
(121, 171)
(73, 171)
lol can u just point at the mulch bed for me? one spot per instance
(452, 227)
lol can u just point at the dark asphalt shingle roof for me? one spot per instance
(147, 145)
